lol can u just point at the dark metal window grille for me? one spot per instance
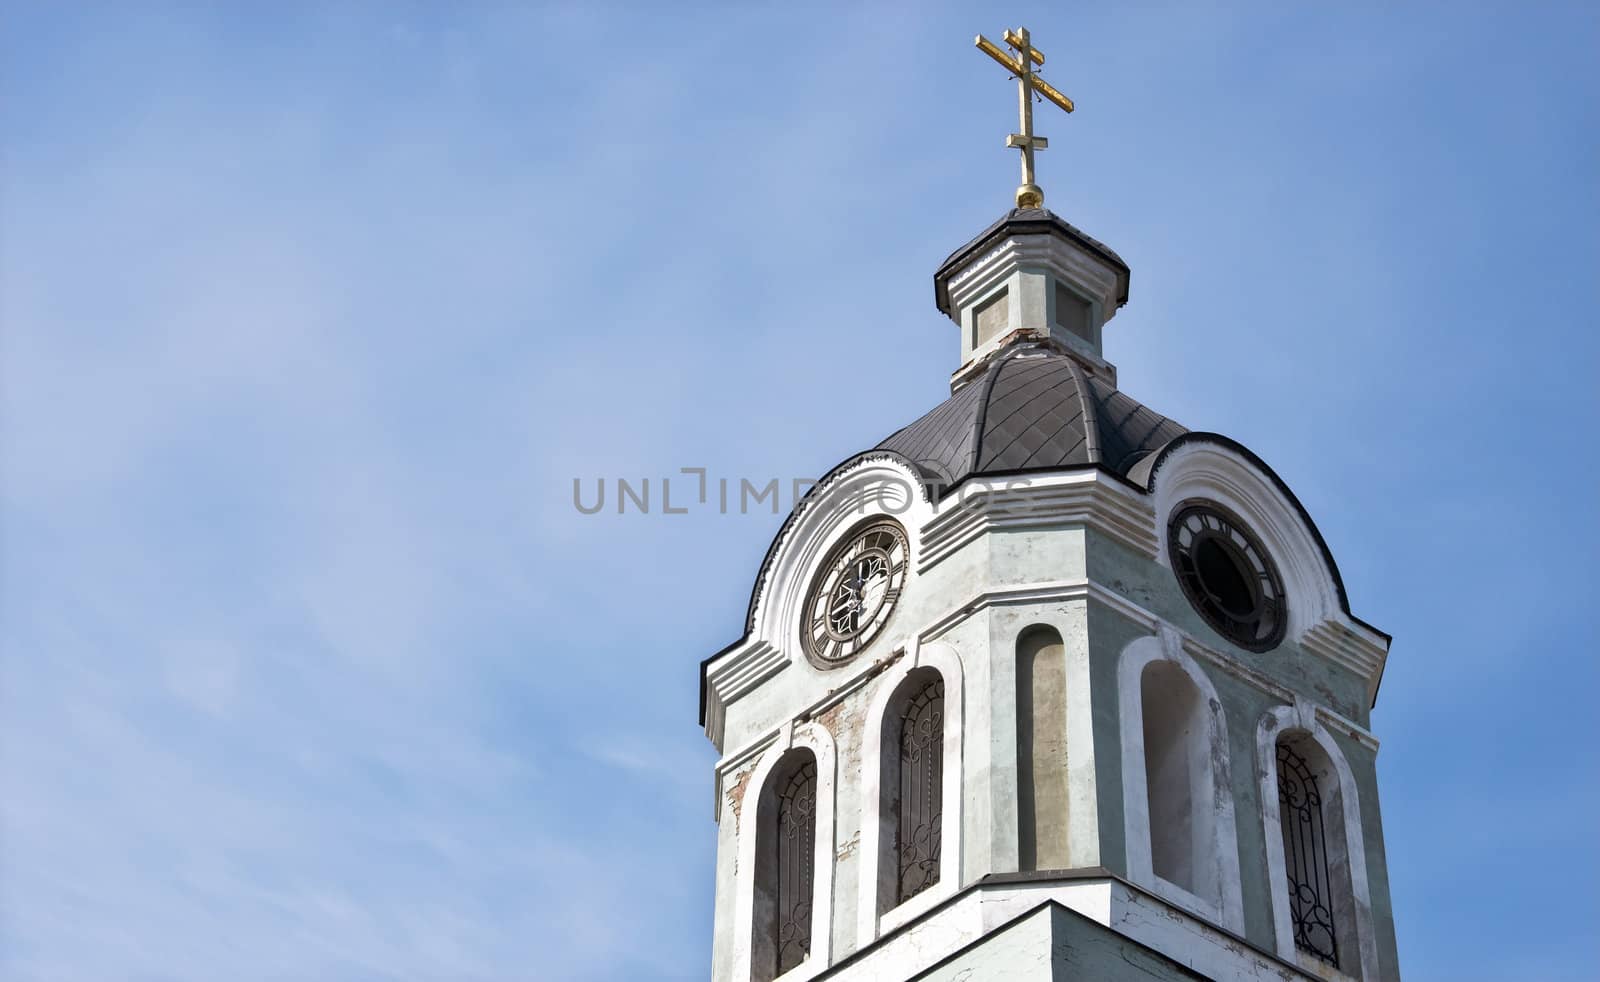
(1305, 853)
(921, 790)
(797, 834)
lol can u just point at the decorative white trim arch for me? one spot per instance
(877, 485)
(816, 738)
(943, 659)
(1219, 474)
(1227, 908)
(1302, 718)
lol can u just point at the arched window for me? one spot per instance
(912, 788)
(1041, 749)
(785, 852)
(1178, 780)
(1310, 817)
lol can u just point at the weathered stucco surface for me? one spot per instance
(1099, 594)
(1052, 943)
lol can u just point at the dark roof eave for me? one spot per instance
(705, 665)
(1025, 221)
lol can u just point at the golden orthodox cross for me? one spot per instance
(1029, 195)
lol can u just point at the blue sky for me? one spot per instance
(308, 322)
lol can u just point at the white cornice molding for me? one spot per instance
(1085, 272)
(986, 353)
(746, 757)
(937, 530)
(1227, 663)
(1346, 643)
(1359, 734)
(736, 673)
(1025, 593)
(1087, 497)
(731, 762)
(1244, 673)
(742, 669)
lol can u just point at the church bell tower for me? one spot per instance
(1046, 685)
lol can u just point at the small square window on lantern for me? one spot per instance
(1073, 313)
(990, 319)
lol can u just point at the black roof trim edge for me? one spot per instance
(1011, 224)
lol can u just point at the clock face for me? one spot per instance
(1226, 574)
(854, 593)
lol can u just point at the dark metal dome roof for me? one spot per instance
(1032, 409)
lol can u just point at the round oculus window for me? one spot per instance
(1226, 574)
(854, 592)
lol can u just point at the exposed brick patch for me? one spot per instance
(843, 721)
(833, 719)
(736, 789)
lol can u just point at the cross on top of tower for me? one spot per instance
(1020, 65)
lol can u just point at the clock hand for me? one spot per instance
(848, 600)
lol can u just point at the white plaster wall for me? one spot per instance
(1141, 916)
(723, 913)
(1020, 953)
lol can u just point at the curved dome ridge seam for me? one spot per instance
(1091, 418)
